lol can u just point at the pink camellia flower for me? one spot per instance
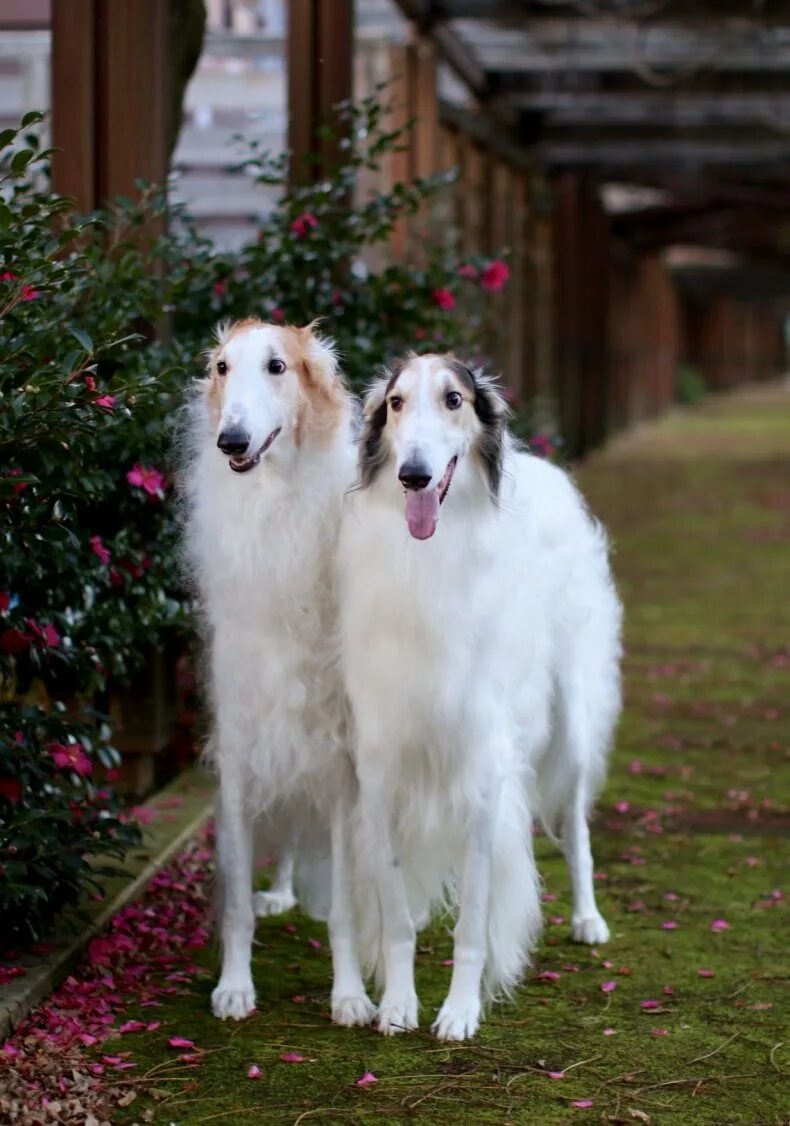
(608, 987)
(180, 1042)
(98, 548)
(7, 276)
(70, 756)
(44, 635)
(367, 1079)
(495, 275)
(622, 806)
(106, 402)
(90, 383)
(254, 1072)
(467, 271)
(719, 925)
(303, 224)
(29, 294)
(219, 288)
(11, 790)
(143, 477)
(444, 299)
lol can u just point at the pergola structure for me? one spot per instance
(592, 137)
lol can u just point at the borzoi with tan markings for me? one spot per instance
(272, 456)
(480, 633)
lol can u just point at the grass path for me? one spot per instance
(692, 831)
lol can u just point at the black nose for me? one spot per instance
(413, 475)
(233, 440)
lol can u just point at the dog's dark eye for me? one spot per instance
(276, 367)
(396, 402)
(222, 367)
(453, 400)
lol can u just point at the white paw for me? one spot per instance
(457, 1020)
(397, 1014)
(233, 999)
(273, 902)
(357, 1011)
(592, 929)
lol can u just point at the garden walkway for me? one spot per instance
(682, 1017)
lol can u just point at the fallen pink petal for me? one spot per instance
(180, 1042)
(608, 986)
(719, 925)
(293, 1057)
(367, 1079)
(254, 1072)
(582, 1104)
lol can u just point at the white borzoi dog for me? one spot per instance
(272, 457)
(480, 635)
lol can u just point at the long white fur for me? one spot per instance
(482, 667)
(261, 546)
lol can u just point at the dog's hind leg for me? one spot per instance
(280, 897)
(234, 995)
(350, 1003)
(587, 923)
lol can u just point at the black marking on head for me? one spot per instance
(372, 452)
(491, 412)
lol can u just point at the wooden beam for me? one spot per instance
(751, 158)
(319, 77)
(643, 11)
(661, 49)
(671, 108)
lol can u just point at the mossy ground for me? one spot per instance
(699, 510)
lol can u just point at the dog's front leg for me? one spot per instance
(350, 1003)
(459, 1016)
(234, 995)
(398, 1006)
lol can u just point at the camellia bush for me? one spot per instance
(102, 321)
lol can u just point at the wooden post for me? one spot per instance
(320, 47)
(74, 101)
(110, 97)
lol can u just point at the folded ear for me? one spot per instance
(320, 356)
(375, 393)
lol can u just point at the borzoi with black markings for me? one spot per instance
(272, 457)
(480, 636)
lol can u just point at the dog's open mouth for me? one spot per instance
(422, 506)
(241, 463)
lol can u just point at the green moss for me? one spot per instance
(703, 558)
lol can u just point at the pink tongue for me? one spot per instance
(422, 512)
